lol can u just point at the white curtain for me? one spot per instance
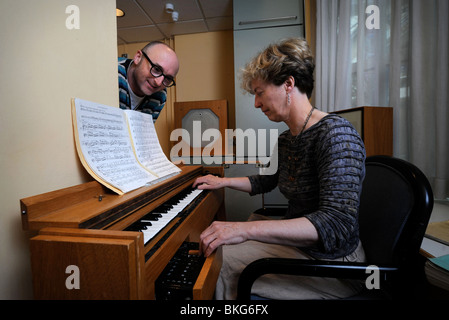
(391, 53)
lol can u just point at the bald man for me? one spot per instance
(143, 80)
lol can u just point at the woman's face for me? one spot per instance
(270, 99)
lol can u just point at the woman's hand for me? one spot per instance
(209, 182)
(220, 233)
(297, 232)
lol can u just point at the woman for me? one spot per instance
(320, 171)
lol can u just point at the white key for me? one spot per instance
(158, 225)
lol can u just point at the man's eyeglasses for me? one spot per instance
(157, 72)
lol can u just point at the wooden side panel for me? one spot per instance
(204, 287)
(201, 220)
(378, 130)
(106, 267)
(36, 206)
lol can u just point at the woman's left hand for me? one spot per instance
(220, 233)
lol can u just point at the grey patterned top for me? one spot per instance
(321, 175)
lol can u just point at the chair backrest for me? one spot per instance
(395, 207)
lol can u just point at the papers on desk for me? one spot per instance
(436, 245)
(437, 271)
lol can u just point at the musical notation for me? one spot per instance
(105, 143)
(147, 147)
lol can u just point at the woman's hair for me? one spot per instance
(290, 57)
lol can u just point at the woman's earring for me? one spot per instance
(288, 99)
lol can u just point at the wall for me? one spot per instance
(44, 66)
(207, 68)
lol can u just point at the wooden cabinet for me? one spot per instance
(375, 126)
(83, 251)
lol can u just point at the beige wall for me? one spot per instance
(43, 65)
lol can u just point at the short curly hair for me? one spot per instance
(290, 57)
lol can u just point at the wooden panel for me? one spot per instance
(204, 287)
(378, 130)
(109, 264)
(34, 207)
(375, 126)
(79, 206)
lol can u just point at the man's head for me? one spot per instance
(153, 69)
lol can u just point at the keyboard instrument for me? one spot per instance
(157, 219)
(118, 245)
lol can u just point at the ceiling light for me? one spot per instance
(174, 16)
(119, 13)
(169, 8)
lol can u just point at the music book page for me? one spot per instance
(146, 144)
(107, 150)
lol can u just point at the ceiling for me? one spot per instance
(147, 20)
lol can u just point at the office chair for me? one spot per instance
(395, 207)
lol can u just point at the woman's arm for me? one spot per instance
(298, 232)
(213, 182)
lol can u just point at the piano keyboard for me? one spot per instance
(153, 222)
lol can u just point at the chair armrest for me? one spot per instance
(303, 267)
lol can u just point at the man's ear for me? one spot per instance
(137, 57)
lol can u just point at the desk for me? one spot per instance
(432, 247)
(429, 246)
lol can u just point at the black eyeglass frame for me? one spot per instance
(172, 81)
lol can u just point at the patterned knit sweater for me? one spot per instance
(150, 104)
(321, 175)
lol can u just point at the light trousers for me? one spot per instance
(281, 287)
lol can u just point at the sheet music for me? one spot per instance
(147, 146)
(106, 146)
